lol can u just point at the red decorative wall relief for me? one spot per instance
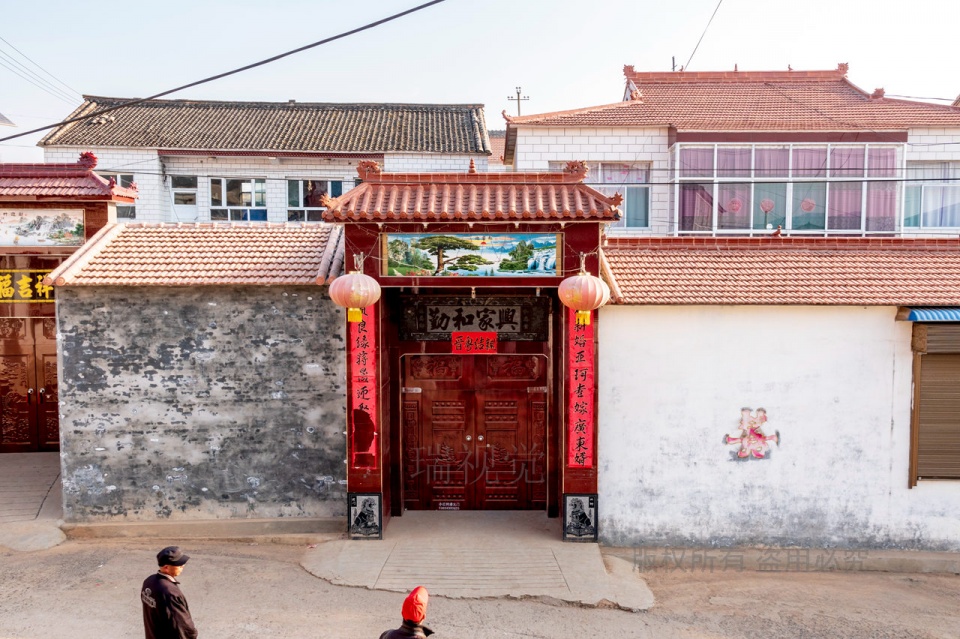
(581, 383)
(363, 393)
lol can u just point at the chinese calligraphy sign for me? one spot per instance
(362, 351)
(471, 343)
(581, 384)
(24, 286)
(510, 318)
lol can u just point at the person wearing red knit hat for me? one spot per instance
(414, 612)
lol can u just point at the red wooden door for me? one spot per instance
(474, 431)
(29, 419)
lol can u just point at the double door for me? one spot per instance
(29, 419)
(474, 432)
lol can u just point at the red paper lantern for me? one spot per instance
(355, 291)
(583, 293)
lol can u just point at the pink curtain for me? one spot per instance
(846, 161)
(696, 162)
(733, 206)
(733, 162)
(882, 206)
(846, 206)
(882, 162)
(810, 162)
(771, 162)
(696, 207)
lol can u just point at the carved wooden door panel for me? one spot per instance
(47, 402)
(474, 432)
(29, 409)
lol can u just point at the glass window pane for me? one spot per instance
(911, 208)
(313, 192)
(733, 162)
(257, 215)
(810, 162)
(185, 198)
(127, 212)
(238, 192)
(696, 162)
(846, 161)
(183, 182)
(260, 192)
(336, 188)
(216, 192)
(238, 215)
(881, 206)
(219, 214)
(771, 162)
(696, 207)
(769, 205)
(294, 215)
(314, 216)
(733, 206)
(293, 193)
(125, 180)
(618, 173)
(882, 162)
(941, 206)
(846, 206)
(809, 210)
(636, 206)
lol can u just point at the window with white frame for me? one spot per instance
(184, 188)
(932, 198)
(304, 196)
(798, 187)
(238, 199)
(124, 211)
(630, 179)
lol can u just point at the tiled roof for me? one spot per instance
(498, 139)
(785, 271)
(205, 254)
(5, 121)
(453, 197)
(751, 101)
(54, 182)
(277, 126)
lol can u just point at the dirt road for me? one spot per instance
(89, 590)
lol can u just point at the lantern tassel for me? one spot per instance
(583, 317)
(354, 315)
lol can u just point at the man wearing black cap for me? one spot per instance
(166, 614)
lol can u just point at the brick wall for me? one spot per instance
(932, 145)
(201, 403)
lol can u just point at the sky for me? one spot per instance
(564, 54)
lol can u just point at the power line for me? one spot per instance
(39, 86)
(33, 74)
(687, 65)
(234, 71)
(40, 67)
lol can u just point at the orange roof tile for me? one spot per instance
(453, 197)
(205, 254)
(19, 182)
(785, 271)
(751, 101)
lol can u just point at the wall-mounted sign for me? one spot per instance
(581, 381)
(473, 343)
(24, 286)
(469, 254)
(41, 227)
(511, 318)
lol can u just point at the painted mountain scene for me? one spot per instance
(467, 254)
(41, 227)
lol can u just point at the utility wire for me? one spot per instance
(702, 34)
(228, 73)
(34, 83)
(40, 67)
(33, 74)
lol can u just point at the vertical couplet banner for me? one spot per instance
(363, 392)
(581, 382)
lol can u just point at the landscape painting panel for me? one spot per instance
(41, 227)
(470, 254)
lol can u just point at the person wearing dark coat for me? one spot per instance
(166, 614)
(414, 611)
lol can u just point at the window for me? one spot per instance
(630, 180)
(935, 441)
(238, 200)
(124, 211)
(745, 188)
(303, 198)
(933, 200)
(184, 190)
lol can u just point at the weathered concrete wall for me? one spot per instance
(201, 403)
(836, 383)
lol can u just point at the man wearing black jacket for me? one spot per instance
(166, 614)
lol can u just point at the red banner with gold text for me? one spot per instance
(362, 351)
(581, 383)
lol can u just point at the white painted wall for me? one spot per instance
(836, 383)
(932, 145)
(537, 147)
(433, 162)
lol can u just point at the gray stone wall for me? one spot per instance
(201, 403)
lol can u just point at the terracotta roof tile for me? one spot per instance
(824, 271)
(60, 181)
(205, 254)
(278, 126)
(468, 197)
(752, 101)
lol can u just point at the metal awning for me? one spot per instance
(934, 315)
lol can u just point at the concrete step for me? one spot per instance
(295, 531)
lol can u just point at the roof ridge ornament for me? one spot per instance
(368, 168)
(843, 68)
(88, 160)
(577, 169)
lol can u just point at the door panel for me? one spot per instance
(29, 409)
(48, 411)
(18, 426)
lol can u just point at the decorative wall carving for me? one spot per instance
(514, 367)
(440, 367)
(12, 328)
